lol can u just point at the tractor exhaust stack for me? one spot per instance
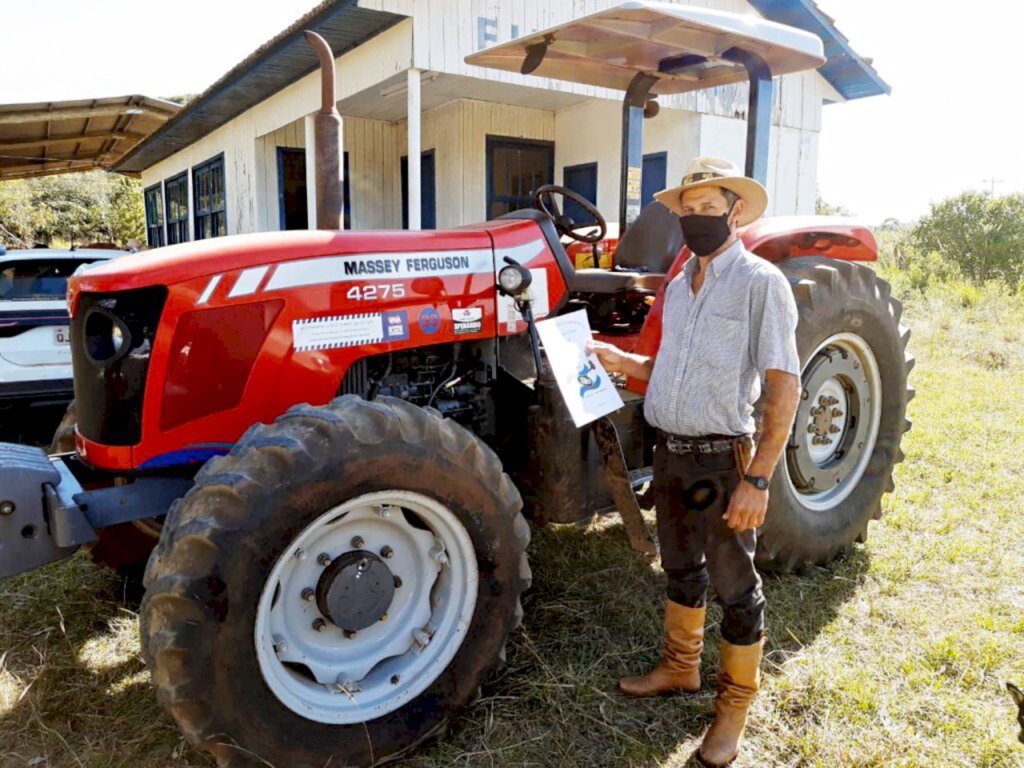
(327, 128)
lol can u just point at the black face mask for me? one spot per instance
(705, 234)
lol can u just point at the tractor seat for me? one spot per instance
(614, 280)
(645, 254)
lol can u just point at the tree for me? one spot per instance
(823, 208)
(71, 208)
(982, 233)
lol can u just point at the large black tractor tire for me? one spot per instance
(211, 574)
(123, 548)
(824, 494)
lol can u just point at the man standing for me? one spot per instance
(729, 320)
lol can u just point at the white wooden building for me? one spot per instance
(239, 158)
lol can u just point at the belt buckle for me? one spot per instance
(675, 445)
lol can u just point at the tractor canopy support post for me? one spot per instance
(327, 127)
(630, 182)
(759, 112)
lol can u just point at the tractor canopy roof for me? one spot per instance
(685, 47)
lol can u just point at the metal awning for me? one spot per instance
(682, 45)
(68, 136)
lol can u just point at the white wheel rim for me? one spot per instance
(329, 676)
(822, 455)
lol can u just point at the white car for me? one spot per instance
(35, 346)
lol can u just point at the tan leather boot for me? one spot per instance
(739, 677)
(679, 669)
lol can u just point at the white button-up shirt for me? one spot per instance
(717, 344)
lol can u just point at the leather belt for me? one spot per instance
(681, 445)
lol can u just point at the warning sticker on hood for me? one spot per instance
(338, 331)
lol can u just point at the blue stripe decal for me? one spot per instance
(195, 454)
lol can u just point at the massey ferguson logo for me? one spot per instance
(467, 320)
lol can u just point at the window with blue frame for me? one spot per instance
(515, 169)
(154, 200)
(209, 200)
(176, 207)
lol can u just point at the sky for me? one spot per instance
(950, 124)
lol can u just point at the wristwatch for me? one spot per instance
(761, 483)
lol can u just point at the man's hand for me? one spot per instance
(611, 357)
(747, 507)
(614, 359)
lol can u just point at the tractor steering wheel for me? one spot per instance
(544, 197)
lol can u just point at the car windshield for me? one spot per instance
(40, 279)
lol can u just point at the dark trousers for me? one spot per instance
(691, 494)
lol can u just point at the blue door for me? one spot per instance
(581, 179)
(654, 176)
(428, 192)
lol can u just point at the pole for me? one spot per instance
(413, 149)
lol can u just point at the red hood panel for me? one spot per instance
(187, 261)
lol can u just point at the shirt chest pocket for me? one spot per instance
(722, 343)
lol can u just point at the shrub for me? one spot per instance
(984, 235)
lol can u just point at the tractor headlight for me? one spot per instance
(513, 280)
(106, 337)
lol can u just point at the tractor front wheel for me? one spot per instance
(846, 437)
(334, 589)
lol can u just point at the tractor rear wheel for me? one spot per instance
(846, 437)
(123, 548)
(334, 589)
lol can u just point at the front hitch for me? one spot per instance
(46, 514)
(39, 519)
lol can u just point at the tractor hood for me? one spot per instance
(189, 261)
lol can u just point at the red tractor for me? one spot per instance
(330, 437)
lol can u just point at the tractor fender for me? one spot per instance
(834, 237)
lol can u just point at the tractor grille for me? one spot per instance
(110, 375)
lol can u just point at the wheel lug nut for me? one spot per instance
(398, 582)
(7, 508)
(300, 554)
(383, 617)
(836, 413)
(307, 594)
(323, 559)
(834, 429)
(387, 553)
(319, 624)
(357, 542)
(349, 634)
(280, 645)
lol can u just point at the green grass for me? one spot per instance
(894, 657)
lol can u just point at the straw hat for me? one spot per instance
(712, 172)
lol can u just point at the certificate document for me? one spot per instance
(585, 384)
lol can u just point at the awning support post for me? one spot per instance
(759, 111)
(630, 181)
(413, 152)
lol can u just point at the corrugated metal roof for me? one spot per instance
(848, 72)
(51, 137)
(272, 67)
